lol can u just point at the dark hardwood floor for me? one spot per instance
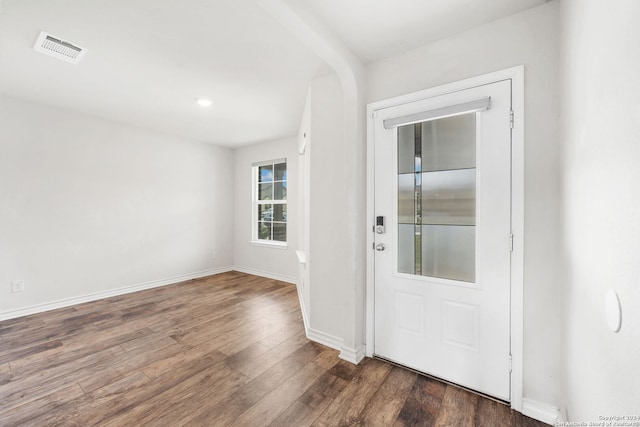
(229, 349)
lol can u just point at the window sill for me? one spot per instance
(267, 244)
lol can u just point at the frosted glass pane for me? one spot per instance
(448, 252)
(406, 205)
(449, 143)
(406, 248)
(449, 197)
(406, 149)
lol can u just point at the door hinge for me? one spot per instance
(510, 242)
(511, 119)
(510, 363)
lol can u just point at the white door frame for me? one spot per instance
(516, 74)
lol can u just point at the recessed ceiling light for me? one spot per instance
(204, 102)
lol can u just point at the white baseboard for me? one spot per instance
(266, 274)
(325, 339)
(541, 411)
(351, 355)
(39, 308)
(303, 309)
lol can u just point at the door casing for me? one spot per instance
(516, 74)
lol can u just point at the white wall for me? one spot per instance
(88, 206)
(275, 262)
(328, 264)
(304, 162)
(601, 205)
(529, 38)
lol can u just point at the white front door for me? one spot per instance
(443, 215)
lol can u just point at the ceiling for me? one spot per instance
(148, 60)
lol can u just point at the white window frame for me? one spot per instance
(255, 202)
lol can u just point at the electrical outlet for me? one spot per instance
(214, 255)
(17, 286)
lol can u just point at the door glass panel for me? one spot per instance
(406, 249)
(449, 197)
(448, 252)
(449, 143)
(406, 198)
(437, 198)
(406, 149)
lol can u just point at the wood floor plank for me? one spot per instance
(313, 402)
(23, 390)
(125, 363)
(423, 403)
(278, 400)
(226, 411)
(228, 349)
(385, 405)
(49, 409)
(347, 407)
(458, 408)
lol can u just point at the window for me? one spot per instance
(270, 202)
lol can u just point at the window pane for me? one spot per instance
(279, 232)
(280, 190)
(280, 213)
(449, 197)
(265, 212)
(265, 173)
(266, 192)
(264, 230)
(449, 143)
(280, 172)
(448, 252)
(271, 217)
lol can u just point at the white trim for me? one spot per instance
(476, 106)
(268, 162)
(39, 308)
(265, 274)
(541, 411)
(325, 339)
(516, 74)
(273, 244)
(517, 232)
(303, 310)
(255, 202)
(351, 355)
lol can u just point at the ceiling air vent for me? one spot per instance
(58, 48)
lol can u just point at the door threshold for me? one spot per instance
(424, 374)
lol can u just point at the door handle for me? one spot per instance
(380, 247)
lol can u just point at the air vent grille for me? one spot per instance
(58, 48)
